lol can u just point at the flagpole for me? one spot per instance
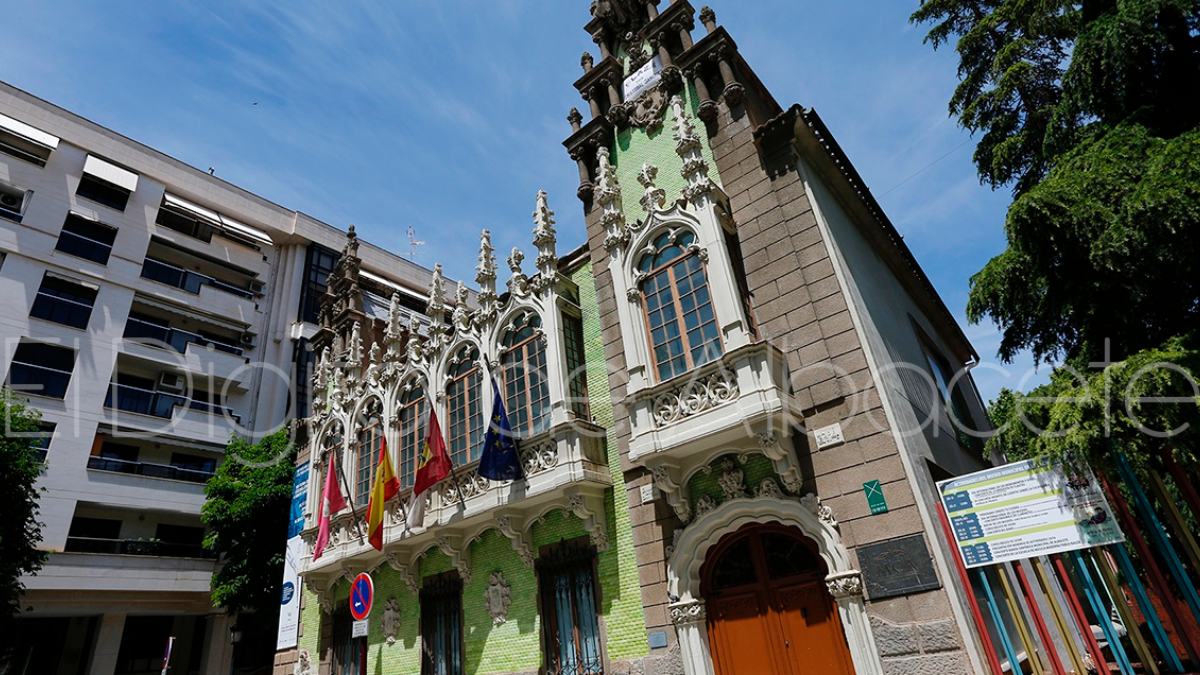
(350, 500)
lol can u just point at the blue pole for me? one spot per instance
(1094, 599)
(1143, 599)
(1014, 666)
(1158, 535)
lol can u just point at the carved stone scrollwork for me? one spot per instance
(694, 397)
(671, 490)
(844, 584)
(457, 558)
(731, 481)
(688, 612)
(705, 504)
(646, 111)
(768, 488)
(653, 197)
(404, 572)
(593, 520)
(539, 458)
(520, 543)
(469, 484)
(821, 511)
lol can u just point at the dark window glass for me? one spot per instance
(318, 265)
(736, 567)
(570, 629)
(119, 451)
(179, 534)
(102, 192)
(576, 364)
(11, 144)
(42, 369)
(86, 239)
(441, 625)
(193, 462)
(40, 439)
(184, 223)
(95, 528)
(63, 301)
(303, 360)
(788, 556)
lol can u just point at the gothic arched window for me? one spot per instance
(679, 312)
(523, 370)
(412, 417)
(464, 410)
(366, 448)
(331, 445)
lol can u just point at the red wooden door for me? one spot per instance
(769, 612)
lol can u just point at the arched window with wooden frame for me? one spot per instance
(678, 309)
(523, 373)
(412, 418)
(369, 433)
(464, 409)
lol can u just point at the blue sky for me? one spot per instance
(448, 115)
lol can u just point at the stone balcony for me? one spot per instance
(565, 468)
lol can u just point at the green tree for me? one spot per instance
(20, 530)
(246, 512)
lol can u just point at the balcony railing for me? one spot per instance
(147, 547)
(149, 469)
(177, 338)
(157, 403)
(187, 280)
(30, 378)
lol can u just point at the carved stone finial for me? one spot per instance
(394, 326)
(687, 146)
(545, 237)
(652, 197)
(608, 196)
(354, 347)
(575, 119)
(485, 272)
(586, 61)
(517, 281)
(351, 241)
(462, 313)
(709, 18)
(437, 293)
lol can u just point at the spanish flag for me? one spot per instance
(385, 487)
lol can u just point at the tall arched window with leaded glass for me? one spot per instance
(523, 373)
(368, 435)
(411, 419)
(464, 382)
(678, 309)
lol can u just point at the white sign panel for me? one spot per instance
(642, 79)
(1026, 509)
(289, 600)
(358, 629)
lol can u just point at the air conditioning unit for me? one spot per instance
(172, 382)
(247, 339)
(12, 199)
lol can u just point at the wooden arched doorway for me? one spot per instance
(769, 611)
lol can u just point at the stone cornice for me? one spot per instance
(675, 12)
(708, 46)
(596, 133)
(607, 71)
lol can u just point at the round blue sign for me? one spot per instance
(362, 594)
(289, 591)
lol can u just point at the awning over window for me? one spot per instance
(111, 173)
(218, 220)
(31, 134)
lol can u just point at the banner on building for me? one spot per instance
(289, 601)
(1026, 509)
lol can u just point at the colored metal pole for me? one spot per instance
(989, 649)
(1179, 525)
(1158, 535)
(1035, 611)
(1116, 595)
(1001, 630)
(1106, 625)
(1014, 609)
(1047, 586)
(1190, 494)
(1081, 621)
(1153, 621)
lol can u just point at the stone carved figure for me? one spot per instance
(498, 597)
(303, 664)
(391, 620)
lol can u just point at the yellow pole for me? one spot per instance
(1176, 518)
(1059, 619)
(1031, 652)
(1103, 564)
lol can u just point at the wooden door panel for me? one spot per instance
(812, 631)
(740, 636)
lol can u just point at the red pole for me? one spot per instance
(1081, 620)
(1183, 482)
(989, 649)
(1035, 611)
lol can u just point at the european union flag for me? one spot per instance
(500, 459)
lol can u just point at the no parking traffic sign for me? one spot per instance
(362, 594)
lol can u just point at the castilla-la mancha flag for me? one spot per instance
(385, 487)
(434, 467)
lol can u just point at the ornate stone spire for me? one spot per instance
(485, 272)
(437, 293)
(687, 146)
(608, 197)
(517, 281)
(394, 326)
(545, 238)
(462, 313)
(652, 196)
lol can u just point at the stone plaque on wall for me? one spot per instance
(897, 567)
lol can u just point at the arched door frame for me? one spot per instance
(702, 535)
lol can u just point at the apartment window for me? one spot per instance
(366, 449)
(523, 369)
(567, 588)
(86, 239)
(576, 364)
(195, 463)
(303, 360)
(678, 309)
(441, 625)
(119, 452)
(463, 404)
(94, 528)
(13, 201)
(318, 265)
(40, 439)
(24, 142)
(64, 301)
(951, 395)
(413, 416)
(184, 223)
(106, 183)
(41, 369)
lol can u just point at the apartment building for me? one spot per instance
(149, 311)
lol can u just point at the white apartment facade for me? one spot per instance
(148, 311)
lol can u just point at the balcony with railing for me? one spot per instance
(152, 339)
(149, 469)
(186, 280)
(155, 411)
(146, 547)
(223, 289)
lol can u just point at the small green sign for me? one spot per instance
(875, 498)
